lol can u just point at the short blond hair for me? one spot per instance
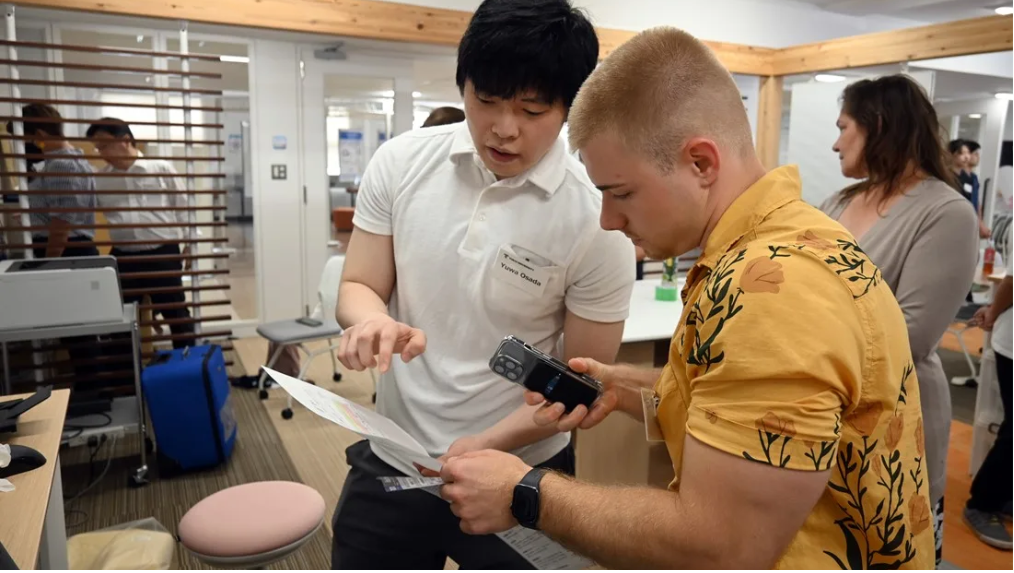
(655, 91)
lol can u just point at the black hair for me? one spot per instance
(112, 126)
(956, 144)
(51, 121)
(512, 46)
(973, 146)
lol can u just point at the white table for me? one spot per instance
(616, 450)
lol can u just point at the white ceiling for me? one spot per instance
(919, 10)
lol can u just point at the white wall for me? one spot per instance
(274, 103)
(754, 22)
(999, 64)
(812, 131)
(749, 89)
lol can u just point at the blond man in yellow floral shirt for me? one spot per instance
(789, 404)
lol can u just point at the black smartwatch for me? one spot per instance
(525, 505)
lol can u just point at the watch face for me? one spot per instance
(525, 506)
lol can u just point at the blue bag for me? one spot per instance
(187, 393)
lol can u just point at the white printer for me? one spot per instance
(40, 293)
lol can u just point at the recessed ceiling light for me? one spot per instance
(829, 78)
(975, 116)
(1004, 95)
(1005, 10)
(387, 93)
(416, 94)
(140, 38)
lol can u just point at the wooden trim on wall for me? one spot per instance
(370, 19)
(958, 38)
(769, 120)
(373, 19)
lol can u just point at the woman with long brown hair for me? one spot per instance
(922, 234)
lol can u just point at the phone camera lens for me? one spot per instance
(512, 375)
(498, 369)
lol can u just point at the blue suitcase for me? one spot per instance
(187, 393)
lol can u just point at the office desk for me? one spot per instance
(616, 450)
(31, 517)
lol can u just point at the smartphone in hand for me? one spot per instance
(537, 371)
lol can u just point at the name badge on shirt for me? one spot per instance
(519, 272)
(649, 405)
(968, 187)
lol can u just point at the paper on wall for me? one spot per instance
(358, 419)
(539, 550)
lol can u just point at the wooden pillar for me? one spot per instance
(769, 120)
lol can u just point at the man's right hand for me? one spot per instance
(580, 417)
(373, 342)
(983, 318)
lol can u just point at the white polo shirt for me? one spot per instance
(454, 226)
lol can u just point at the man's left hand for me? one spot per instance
(480, 487)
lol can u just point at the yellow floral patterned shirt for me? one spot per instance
(792, 351)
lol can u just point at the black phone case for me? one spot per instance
(537, 371)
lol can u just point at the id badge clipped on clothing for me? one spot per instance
(649, 405)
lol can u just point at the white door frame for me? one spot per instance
(316, 188)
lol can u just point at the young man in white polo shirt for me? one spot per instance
(150, 242)
(439, 210)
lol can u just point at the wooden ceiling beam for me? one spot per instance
(369, 19)
(958, 38)
(373, 19)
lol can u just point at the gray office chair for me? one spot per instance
(284, 333)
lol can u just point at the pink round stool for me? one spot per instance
(252, 525)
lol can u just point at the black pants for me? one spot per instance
(991, 486)
(68, 251)
(413, 529)
(126, 265)
(77, 353)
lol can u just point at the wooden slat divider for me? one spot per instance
(124, 192)
(121, 243)
(169, 141)
(95, 156)
(114, 175)
(108, 209)
(97, 103)
(105, 50)
(179, 305)
(169, 290)
(156, 258)
(144, 88)
(172, 274)
(123, 226)
(201, 320)
(21, 119)
(119, 69)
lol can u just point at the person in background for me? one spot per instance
(497, 198)
(444, 116)
(990, 503)
(978, 199)
(965, 180)
(155, 231)
(44, 125)
(66, 234)
(788, 404)
(916, 229)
